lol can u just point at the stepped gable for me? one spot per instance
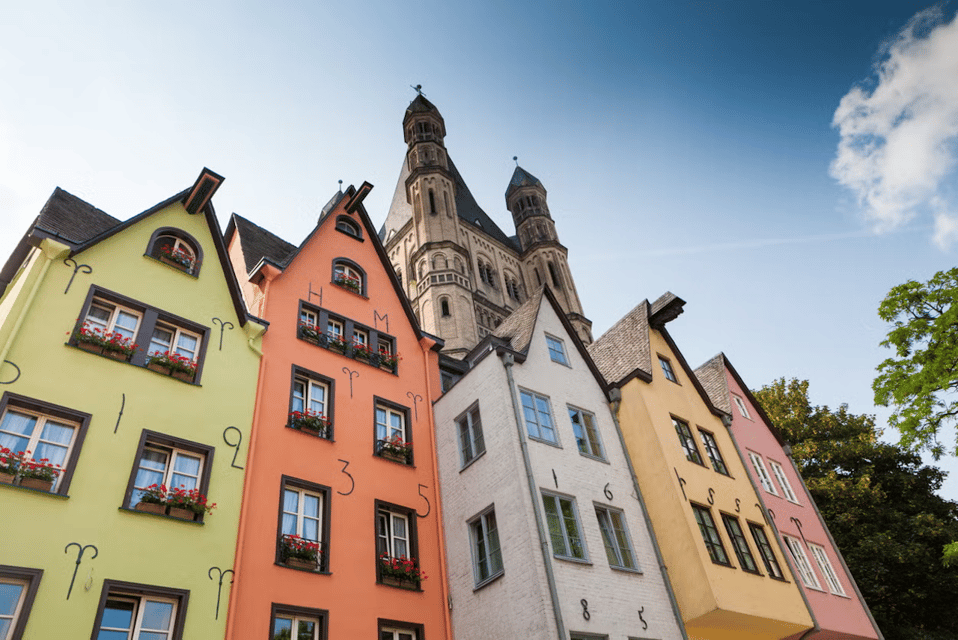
(258, 243)
(624, 348)
(519, 326)
(711, 375)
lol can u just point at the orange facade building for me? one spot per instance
(340, 532)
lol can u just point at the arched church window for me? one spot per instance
(432, 202)
(444, 306)
(555, 275)
(538, 277)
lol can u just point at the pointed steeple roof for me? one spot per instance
(522, 178)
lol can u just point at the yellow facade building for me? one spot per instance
(729, 574)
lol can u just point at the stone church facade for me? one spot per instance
(461, 272)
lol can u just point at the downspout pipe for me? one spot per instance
(771, 522)
(838, 552)
(51, 251)
(615, 401)
(507, 362)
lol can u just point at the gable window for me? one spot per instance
(471, 443)
(741, 406)
(556, 350)
(538, 417)
(44, 432)
(177, 249)
(765, 551)
(140, 612)
(397, 546)
(712, 450)
(486, 554)
(686, 441)
(783, 481)
(297, 623)
(168, 461)
(739, 543)
(304, 525)
(615, 537)
(393, 440)
(349, 276)
(762, 473)
(825, 566)
(667, 369)
(18, 589)
(310, 404)
(586, 433)
(710, 535)
(564, 529)
(347, 226)
(794, 546)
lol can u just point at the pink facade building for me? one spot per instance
(833, 598)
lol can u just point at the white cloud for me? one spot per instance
(899, 139)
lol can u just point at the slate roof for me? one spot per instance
(400, 211)
(518, 327)
(420, 104)
(711, 375)
(72, 219)
(258, 243)
(625, 346)
(522, 178)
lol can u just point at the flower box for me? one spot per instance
(182, 514)
(7, 478)
(300, 563)
(91, 347)
(392, 455)
(118, 355)
(174, 263)
(151, 507)
(159, 368)
(402, 583)
(37, 483)
(348, 283)
(400, 572)
(183, 375)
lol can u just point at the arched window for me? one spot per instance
(398, 274)
(538, 277)
(347, 226)
(432, 202)
(444, 306)
(348, 275)
(555, 275)
(445, 199)
(177, 249)
(460, 266)
(422, 269)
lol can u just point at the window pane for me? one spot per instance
(299, 395)
(16, 428)
(311, 505)
(98, 316)
(307, 630)
(117, 614)
(157, 616)
(161, 341)
(125, 323)
(317, 398)
(282, 628)
(555, 526)
(9, 597)
(186, 345)
(572, 528)
(311, 529)
(5, 627)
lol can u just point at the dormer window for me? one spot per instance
(349, 227)
(177, 249)
(348, 276)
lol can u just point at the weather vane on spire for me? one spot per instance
(516, 158)
(418, 89)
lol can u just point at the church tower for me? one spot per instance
(544, 258)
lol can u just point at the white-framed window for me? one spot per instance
(686, 441)
(712, 450)
(741, 406)
(759, 465)
(309, 394)
(44, 436)
(348, 276)
(795, 549)
(334, 328)
(538, 416)
(615, 537)
(173, 467)
(295, 627)
(176, 249)
(825, 566)
(486, 553)
(783, 481)
(360, 337)
(174, 340)
(13, 592)
(557, 350)
(392, 633)
(586, 433)
(565, 531)
(108, 317)
(393, 534)
(302, 513)
(390, 423)
(307, 317)
(348, 227)
(471, 442)
(136, 617)
(667, 369)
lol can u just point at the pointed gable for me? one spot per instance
(624, 349)
(712, 377)
(519, 326)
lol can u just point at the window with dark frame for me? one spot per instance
(396, 539)
(311, 403)
(710, 535)
(18, 590)
(765, 551)
(739, 544)
(398, 630)
(667, 369)
(45, 430)
(486, 553)
(140, 612)
(288, 622)
(686, 441)
(302, 541)
(348, 275)
(393, 437)
(471, 442)
(349, 227)
(343, 335)
(176, 248)
(712, 450)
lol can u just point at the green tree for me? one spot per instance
(879, 502)
(920, 381)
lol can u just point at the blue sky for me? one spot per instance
(686, 146)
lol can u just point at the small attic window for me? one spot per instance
(479, 223)
(176, 248)
(349, 227)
